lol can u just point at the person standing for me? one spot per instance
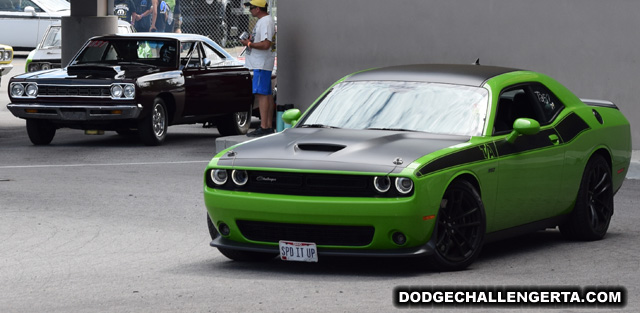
(142, 16)
(260, 57)
(159, 12)
(124, 10)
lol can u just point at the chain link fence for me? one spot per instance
(221, 20)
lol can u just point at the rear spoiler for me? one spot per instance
(600, 103)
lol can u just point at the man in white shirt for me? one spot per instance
(260, 57)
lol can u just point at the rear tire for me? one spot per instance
(40, 132)
(594, 204)
(234, 124)
(460, 228)
(153, 128)
(238, 255)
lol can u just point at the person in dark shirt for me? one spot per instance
(124, 9)
(142, 17)
(160, 12)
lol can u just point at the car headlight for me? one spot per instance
(116, 91)
(45, 66)
(129, 91)
(239, 177)
(404, 185)
(382, 183)
(33, 67)
(17, 90)
(219, 176)
(31, 90)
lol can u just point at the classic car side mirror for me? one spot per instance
(207, 62)
(30, 9)
(291, 116)
(525, 126)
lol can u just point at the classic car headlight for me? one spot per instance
(45, 66)
(17, 90)
(404, 185)
(219, 176)
(33, 67)
(31, 90)
(239, 177)
(382, 183)
(116, 91)
(129, 91)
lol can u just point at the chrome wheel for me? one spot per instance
(242, 118)
(159, 120)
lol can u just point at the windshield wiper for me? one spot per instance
(317, 126)
(394, 129)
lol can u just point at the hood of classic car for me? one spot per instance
(91, 71)
(338, 150)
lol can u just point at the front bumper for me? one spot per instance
(75, 112)
(5, 68)
(424, 250)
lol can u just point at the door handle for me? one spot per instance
(554, 139)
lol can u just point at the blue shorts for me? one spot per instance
(262, 82)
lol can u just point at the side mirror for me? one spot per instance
(207, 62)
(291, 116)
(524, 126)
(30, 9)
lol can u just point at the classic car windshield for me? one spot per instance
(412, 106)
(127, 51)
(53, 38)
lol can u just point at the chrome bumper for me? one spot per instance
(75, 112)
(5, 68)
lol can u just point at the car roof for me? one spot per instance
(177, 36)
(459, 74)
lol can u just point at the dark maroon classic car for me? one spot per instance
(140, 82)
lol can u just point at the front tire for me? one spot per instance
(238, 255)
(153, 128)
(594, 204)
(40, 132)
(234, 124)
(460, 228)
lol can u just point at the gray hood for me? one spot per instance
(338, 149)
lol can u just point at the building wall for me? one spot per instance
(591, 46)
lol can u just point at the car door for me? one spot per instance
(212, 86)
(23, 16)
(530, 169)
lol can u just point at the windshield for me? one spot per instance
(129, 51)
(52, 40)
(411, 106)
(55, 5)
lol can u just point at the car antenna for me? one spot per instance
(477, 62)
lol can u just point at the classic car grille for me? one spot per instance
(318, 234)
(70, 91)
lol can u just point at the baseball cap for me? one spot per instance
(257, 3)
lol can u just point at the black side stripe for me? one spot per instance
(571, 126)
(568, 129)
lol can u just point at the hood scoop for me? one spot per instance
(319, 147)
(94, 71)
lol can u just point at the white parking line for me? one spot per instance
(100, 164)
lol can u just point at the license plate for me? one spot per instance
(298, 251)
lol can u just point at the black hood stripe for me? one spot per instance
(568, 129)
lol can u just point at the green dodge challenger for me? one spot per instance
(421, 160)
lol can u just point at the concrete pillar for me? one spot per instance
(88, 19)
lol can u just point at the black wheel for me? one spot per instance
(153, 128)
(234, 124)
(594, 205)
(238, 255)
(460, 228)
(41, 132)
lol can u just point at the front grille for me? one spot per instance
(334, 235)
(310, 184)
(70, 91)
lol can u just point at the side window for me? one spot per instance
(513, 103)
(549, 104)
(211, 54)
(190, 55)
